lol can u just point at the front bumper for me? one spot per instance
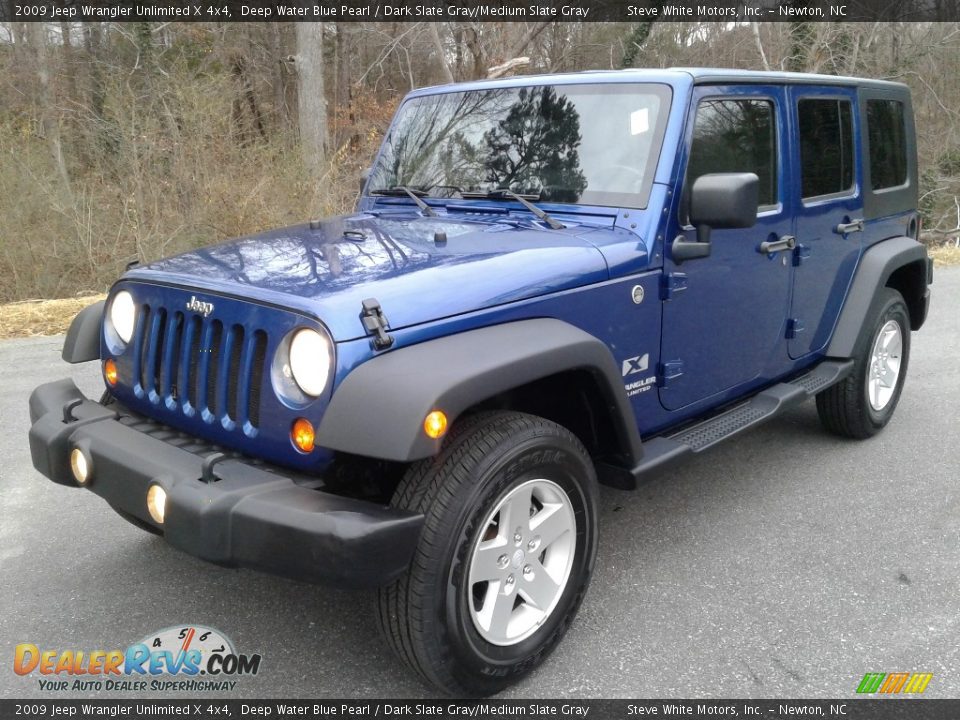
(248, 514)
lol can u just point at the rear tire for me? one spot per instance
(492, 587)
(862, 404)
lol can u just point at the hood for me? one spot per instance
(329, 267)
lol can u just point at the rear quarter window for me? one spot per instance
(887, 134)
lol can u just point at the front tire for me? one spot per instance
(862, 404)
(505, 554)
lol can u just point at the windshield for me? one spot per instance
(584, 144)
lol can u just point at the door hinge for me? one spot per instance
(671, 284)
(794, 327)
(376, 323)
(667, 371)
(800, 253)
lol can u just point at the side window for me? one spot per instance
(735, 136)
(888, 144)
(826, 146)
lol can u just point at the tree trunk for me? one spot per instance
(279, 75)
(311, 103)
(344, 90)
(472, 40)
(49, 122)
(441, 55)
(755, 27)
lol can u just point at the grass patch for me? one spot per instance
(945, 255)
(31, 318)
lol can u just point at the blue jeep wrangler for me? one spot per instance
(549, 283)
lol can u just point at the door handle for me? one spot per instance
(787, 242)
(850, 227)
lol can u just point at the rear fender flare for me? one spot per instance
(878, 263)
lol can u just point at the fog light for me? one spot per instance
(80, 466)
(110, 372)
(435, 424)
(157, 503)
(303, 435)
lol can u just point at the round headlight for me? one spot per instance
(123, 313)
(310, 361)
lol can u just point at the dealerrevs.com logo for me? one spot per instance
(190, 658)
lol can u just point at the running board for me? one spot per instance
(766, 404)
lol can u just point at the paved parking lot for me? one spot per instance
(786, 563)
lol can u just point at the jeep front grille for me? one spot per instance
(200, 366)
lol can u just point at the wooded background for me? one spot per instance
(125, 141)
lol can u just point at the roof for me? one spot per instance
(703, 76)
(672, 76)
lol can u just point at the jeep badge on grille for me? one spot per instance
(198, 306)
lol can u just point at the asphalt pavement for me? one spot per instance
(783, 563)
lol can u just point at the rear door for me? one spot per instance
(828, 197)
(723, 316)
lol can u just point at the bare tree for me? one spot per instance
(441, 55)
(311, 99)
(49, 121)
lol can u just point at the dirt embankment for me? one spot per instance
(29, 318)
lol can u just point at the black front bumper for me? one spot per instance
(247, 515)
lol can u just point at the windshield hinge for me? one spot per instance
(376, 323)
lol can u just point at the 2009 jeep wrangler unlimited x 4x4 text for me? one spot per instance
(549, 282)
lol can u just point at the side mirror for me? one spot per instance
(722, 201)
(364, 176)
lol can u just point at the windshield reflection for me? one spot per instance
(595, 144)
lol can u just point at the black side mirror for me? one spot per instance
(722, 201)
(364, 176)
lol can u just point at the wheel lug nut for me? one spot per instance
(517, 537)
(527, 571)
(509, 583)
(502, 561)
(533, 544)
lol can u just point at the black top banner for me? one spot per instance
(200, 709)
(480, 10)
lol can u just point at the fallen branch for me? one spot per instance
(500, 70)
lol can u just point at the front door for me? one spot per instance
(829, 212)
(724, 317)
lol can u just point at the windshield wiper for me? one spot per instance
(501, 193)
(415, 195)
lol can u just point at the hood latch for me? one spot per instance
(376, 323)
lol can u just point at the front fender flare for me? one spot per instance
(82, 343)
(379, 408)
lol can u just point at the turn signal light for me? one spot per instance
(303, 435)
(435, 424)
(110, 372)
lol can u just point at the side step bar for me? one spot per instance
(764, 405)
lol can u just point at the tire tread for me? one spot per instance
(842, 407)
(430, 488)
